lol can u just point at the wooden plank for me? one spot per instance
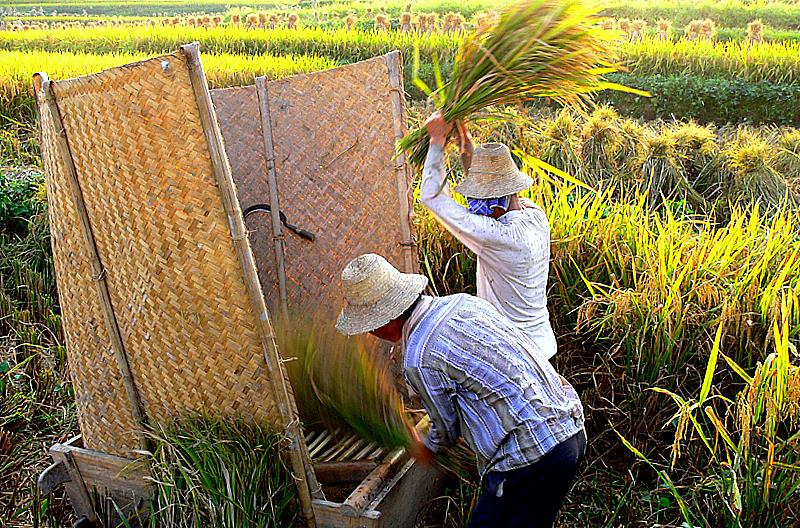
(360, 498)
(402, 499)
(394, 64)
(76, 489)
(330, 515)
(269, 155)
(109, 472)
(44, 88)
(343, 472)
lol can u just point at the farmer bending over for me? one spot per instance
(509, 235)
(479, 377)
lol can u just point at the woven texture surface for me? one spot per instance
(175, 281)
(103, 410)
(333, 135)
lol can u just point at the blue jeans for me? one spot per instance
(530, 497)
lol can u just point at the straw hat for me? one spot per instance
(375, 293)
(493, 174)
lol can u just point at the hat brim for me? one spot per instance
(501, 185)
(362, 318)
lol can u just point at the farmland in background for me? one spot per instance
(678, 272)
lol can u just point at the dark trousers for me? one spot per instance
(530, 497)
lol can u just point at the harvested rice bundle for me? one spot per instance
(538, 48)
(236, 20)
(624, 25)
(274, 21)
(664, 29)
(291, 22)
(698, 155)
(405, 22)
(350, 22)
(341, 381)
(601, 141)
(381, 23)
(692, 30)
(662, 177)
(638, 28)
(559, 144)
(216, 20)
(755, 31)
(751, 177)
(262, 20)
(608, 24)
(707, 29)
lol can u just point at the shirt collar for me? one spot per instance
(422, 306)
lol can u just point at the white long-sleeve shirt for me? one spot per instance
(513, 253)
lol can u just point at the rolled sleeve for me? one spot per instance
(436, 392)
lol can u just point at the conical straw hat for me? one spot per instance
(493, 174)
(375, 293)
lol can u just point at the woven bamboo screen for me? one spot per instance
(333, 134)
(177, 288)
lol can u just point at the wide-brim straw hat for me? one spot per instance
(375, 293)
(493, 174)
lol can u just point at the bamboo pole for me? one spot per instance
(269, 154)
(44, 90)
(222, 174)
(394, 64)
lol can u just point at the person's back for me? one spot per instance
(513, 276)
(513, 407)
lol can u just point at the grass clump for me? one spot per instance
(222, 473)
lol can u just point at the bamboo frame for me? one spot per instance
(43, 88)
(394, 63)
(269, 154)
(304, 477)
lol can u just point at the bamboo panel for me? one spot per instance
(172, 270)
(104, 413)
(333, 134)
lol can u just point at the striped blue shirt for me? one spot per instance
(481, 378)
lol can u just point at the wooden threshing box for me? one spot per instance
(166, 292)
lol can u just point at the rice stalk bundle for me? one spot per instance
(601, 142)
(751, 176)
(662, 176)
(755, 31)
(698, 155)
(608, 24)
(632, 152)
(537, 48)
(638, 29)
(405, 22)
(624, 25)
(664, 29)
(291, 22)
(341, 381)
(559, 145)
(788, 159)
(707, 29)
(692, 30)
(344, 383)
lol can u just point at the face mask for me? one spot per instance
(486, 206)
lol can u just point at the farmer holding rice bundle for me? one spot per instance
(481, 378)
(509, 235)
